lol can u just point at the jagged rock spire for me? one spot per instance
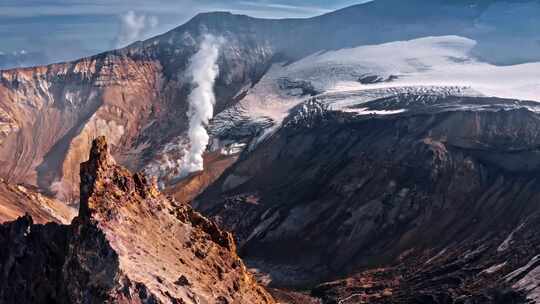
(99, 160)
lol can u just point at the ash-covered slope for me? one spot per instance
(441, 191)
(129, 244)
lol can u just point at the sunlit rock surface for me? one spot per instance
(129, 244)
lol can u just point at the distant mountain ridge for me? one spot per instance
(383, 21)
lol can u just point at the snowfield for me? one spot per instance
(345, 78)
(432, 61)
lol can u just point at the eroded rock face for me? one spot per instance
(134, 96)
(129, 244)
(54, 112)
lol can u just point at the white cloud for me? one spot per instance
(135, 27)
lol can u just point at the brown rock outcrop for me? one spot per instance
(129, 244)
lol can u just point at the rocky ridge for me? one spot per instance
(129, 244)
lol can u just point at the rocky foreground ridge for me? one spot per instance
(129, 244)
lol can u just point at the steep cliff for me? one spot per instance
(436, 194)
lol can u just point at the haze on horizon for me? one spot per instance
(36, 32)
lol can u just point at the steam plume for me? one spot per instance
(204, 71)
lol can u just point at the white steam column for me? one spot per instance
(204, 71)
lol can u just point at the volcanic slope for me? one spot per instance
(439, 192)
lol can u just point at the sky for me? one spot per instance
(36, 32)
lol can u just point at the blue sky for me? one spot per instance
(39, 31)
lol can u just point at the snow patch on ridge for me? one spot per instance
(366, 111)
(430, 61)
